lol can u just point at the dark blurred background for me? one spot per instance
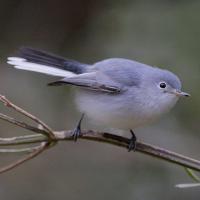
(160, 33)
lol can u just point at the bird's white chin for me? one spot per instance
(167, 103)
(158, 109)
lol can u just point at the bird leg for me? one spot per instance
(132, 142)
(77, 131)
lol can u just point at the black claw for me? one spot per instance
(77, 131)
(132, 143)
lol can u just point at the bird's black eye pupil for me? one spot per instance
(163, 85)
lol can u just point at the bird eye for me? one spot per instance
(163, 85)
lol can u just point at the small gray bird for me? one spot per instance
(115, 92)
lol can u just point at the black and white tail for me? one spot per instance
(39, 61)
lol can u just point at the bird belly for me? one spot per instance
(111, 110)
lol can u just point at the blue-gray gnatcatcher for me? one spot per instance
(115, 92)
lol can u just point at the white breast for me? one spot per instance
(118, 111)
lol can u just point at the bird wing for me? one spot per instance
(91, 82)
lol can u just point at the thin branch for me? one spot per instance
(21, 140)
(39, 150)
(192, 175)
(8, 103)
(142, 147)
(22, 124)
(20, 150)
(110, 139)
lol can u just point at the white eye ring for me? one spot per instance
(162, 85)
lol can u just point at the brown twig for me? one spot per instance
(19, 150)
(36, 152)
(8, 103)
(22, 124)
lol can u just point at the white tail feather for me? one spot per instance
(21, 63)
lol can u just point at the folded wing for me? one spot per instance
(88, 81)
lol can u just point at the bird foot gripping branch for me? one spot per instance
(77, 131)
(132, 144)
